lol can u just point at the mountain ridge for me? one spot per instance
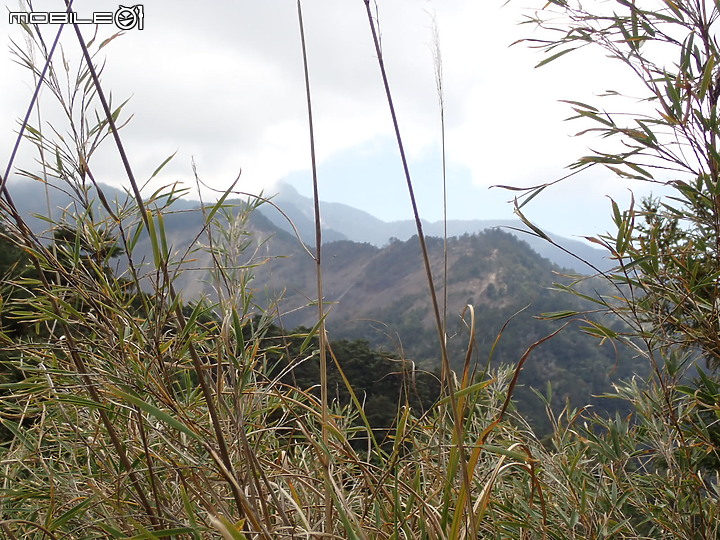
(339, 222)
(342, 222)
(380, 294)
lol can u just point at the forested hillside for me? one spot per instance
(379, 295)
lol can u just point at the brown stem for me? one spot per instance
(322, 335)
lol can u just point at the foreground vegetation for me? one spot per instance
(133, 414)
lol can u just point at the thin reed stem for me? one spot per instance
(447, 376)
(322, 335)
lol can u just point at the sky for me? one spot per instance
(224, 88)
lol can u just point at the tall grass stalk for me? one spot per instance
(439, 86)
(318, 273)
(447, 375)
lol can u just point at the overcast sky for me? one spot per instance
(225, 87)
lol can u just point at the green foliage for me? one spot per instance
(668, 251)
(12, 263)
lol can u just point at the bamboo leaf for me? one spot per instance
(190, 512)
(707, 76)
(112, 531)
(639, 169)
(469, 390)
(596, 117)
(165, 162)
(108, 40)
(71, 513)
(554, 57)
(674, 8)
(229, 530)
(598, 330)
(163, 237)
(152, 410)
(557, 315)
(493, 449)
(217, 206)
(308, 339)
(579, 104)
(167, 533)
(152, 231)
(538, 232)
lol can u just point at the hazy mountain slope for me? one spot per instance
(381, 294)
(302, 214)
(341, 221)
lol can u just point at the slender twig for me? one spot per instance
(10, 207)
(31, 106)
(320, 299)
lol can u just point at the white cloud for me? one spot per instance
(225, 86)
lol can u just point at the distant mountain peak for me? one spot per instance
(339, 222)
(343, 222)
